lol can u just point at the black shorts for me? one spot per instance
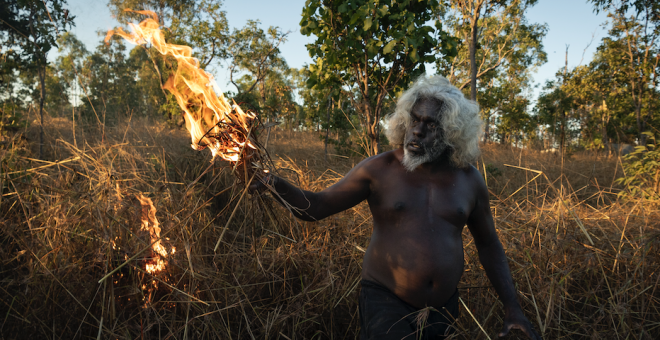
(384, 315)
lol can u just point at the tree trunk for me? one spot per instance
(373, 129)
(640, 122)
(42, 83)
(605, 120)
(562, 133)
(487, 128)
(327, 128)
(473, 52)
(563, 113)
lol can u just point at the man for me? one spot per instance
(421, 196)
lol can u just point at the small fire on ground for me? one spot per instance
(140, 229)
(151, 225)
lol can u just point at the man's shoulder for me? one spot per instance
(378, 164)
(472, 173)
(384, 159)
(476, 179)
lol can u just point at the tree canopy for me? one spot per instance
(370, 50)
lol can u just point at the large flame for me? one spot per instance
(212, 122)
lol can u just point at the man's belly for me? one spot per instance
(423, 269)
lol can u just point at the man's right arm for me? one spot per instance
(313, 206)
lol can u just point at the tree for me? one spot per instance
(28, 31)
(329, 113)
(615, 96)
(167, 10)
(371, 49)
(492, 32)
(648, 8)
(200, 24)
(638, 36)
(256, 52)
(70, 63)
(554, 106)
(505, 105)
(498, 48)
(110, 83)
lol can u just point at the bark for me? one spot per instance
(562, 133)
(473, 52)
(605, 120)
(640, 122)
(487, 128)
(327, 128)
(42, 85)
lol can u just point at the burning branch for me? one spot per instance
(213, 123)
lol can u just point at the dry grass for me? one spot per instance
(586, 264)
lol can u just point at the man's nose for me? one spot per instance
(418, 130)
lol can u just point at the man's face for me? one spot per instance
(424, 140)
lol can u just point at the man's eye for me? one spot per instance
(432, 125)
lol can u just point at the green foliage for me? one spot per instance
(508, 47)
(368, 50)
(642, 171)
(641, 7)
(200, 24)
(28, 31)
(266, 83)
(614, 98)
(493, 170)
(11, 118)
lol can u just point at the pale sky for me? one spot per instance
(571, 22)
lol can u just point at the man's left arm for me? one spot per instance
(492, 257)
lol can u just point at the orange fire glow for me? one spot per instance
(212, 122)
(150, 224)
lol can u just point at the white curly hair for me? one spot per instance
(459, 117)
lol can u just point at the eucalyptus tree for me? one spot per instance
(109, 82)
(257, 54)
(636, 38)
(505, 106)
(28, 31)
(328, 111)
(201, 24)
(554, 108)
(494, 34)
(498, 50)
(614, 97)
(371, 49)
(69, 63)
(600, 92)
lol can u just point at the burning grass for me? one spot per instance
(585, 263)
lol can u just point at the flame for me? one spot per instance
(150, 224)
(212, 122)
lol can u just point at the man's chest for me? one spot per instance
(428, 202)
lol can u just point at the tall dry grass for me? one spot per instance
(584, 261)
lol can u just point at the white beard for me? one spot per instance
(411, 161)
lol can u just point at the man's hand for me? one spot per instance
(262, 181)
(515, 319)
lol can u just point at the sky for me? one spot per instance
(570, 22)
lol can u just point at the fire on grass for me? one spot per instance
(138, 213)
(226, 130)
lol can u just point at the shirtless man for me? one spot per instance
(421, 195)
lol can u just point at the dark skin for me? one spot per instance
(416, 249)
